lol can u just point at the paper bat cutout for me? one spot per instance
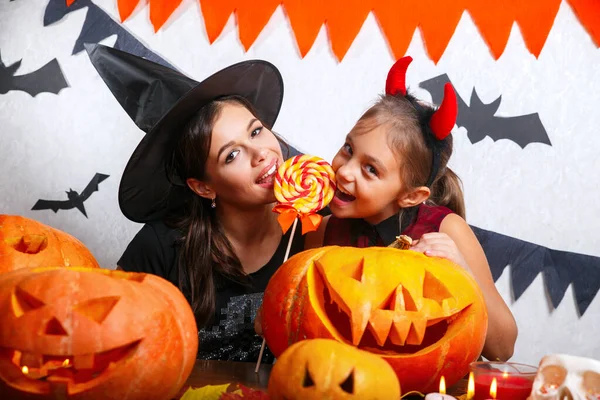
(75, 200)
(479, 119)
(98, 25)
(527, 260)
(48, 79)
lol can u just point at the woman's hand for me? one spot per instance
(258, 322)
(438, 244)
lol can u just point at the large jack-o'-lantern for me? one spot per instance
(327, 369)
(91, 333)
(425, 316)
(28, 243)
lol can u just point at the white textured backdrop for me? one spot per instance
(542, 194)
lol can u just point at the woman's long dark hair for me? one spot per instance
(206, 256)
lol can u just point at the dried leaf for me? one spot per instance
(246, 394)
(208, 392)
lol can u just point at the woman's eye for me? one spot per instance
(347, 148)
(256, 131)
(231, 156)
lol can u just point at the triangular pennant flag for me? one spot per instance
(306, 19)
(252, 17)
(161, 10)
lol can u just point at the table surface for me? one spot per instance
(221, 372)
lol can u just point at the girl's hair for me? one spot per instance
(407, 122)
(206, 257)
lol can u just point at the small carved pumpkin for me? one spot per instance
(425, 316)
(327, 369)
(28, 243)
(91, 333)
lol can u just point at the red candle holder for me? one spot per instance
(513, 380)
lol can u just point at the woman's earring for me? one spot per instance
(213, 204)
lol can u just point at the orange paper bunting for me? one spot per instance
(588, 12)
(398, 19)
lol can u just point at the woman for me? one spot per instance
(201, 181)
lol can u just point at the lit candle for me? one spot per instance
(471, 387)
(494, 388)
(442, 394)
(505, 386)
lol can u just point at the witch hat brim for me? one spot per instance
(161, 101)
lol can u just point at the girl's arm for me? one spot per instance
(502, 328)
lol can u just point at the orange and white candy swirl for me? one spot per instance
(303, 185)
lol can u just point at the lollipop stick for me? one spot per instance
(287, 251)
(287, 254)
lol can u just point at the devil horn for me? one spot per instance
(444, 118)
(396, 79)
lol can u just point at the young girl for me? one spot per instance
(201, 182)
(392, 178)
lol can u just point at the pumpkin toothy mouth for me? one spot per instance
(400, 324)
(46, 374)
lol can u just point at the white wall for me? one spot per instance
(543, 194)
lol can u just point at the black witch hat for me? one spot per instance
(161, 101)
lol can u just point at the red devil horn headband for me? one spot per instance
(444, 118)
(396, 79)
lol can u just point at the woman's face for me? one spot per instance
(243, 158)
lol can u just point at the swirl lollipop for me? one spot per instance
(303, 185)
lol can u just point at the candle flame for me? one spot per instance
(493, 388)
(25, 370)
(442, 385)
(505, 375)
(471, 387)
(65, 363)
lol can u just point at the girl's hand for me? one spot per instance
(437, 244)
(258, 322)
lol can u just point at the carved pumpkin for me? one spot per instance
(326, 369)
(91, 333)
(28, 243)
(425, 316)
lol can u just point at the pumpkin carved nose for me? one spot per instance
(54, 327)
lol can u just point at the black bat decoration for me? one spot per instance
(75, 200)
(99, 25)
(480, 120)
(49, 79)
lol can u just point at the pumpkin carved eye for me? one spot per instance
(434, 289)
(97, 309)
(348, 385)
(308, 381)
(29, 244)
(23, 302)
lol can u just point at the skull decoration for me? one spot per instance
(28, 243)
(563, 377)
(425, 316)
(91, 333)
(327, 369)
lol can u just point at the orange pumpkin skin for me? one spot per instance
(28, 243)
(94, 333)
(328, 369)
(425, 316)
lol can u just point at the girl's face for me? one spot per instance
(243, 158)
(368, 178)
